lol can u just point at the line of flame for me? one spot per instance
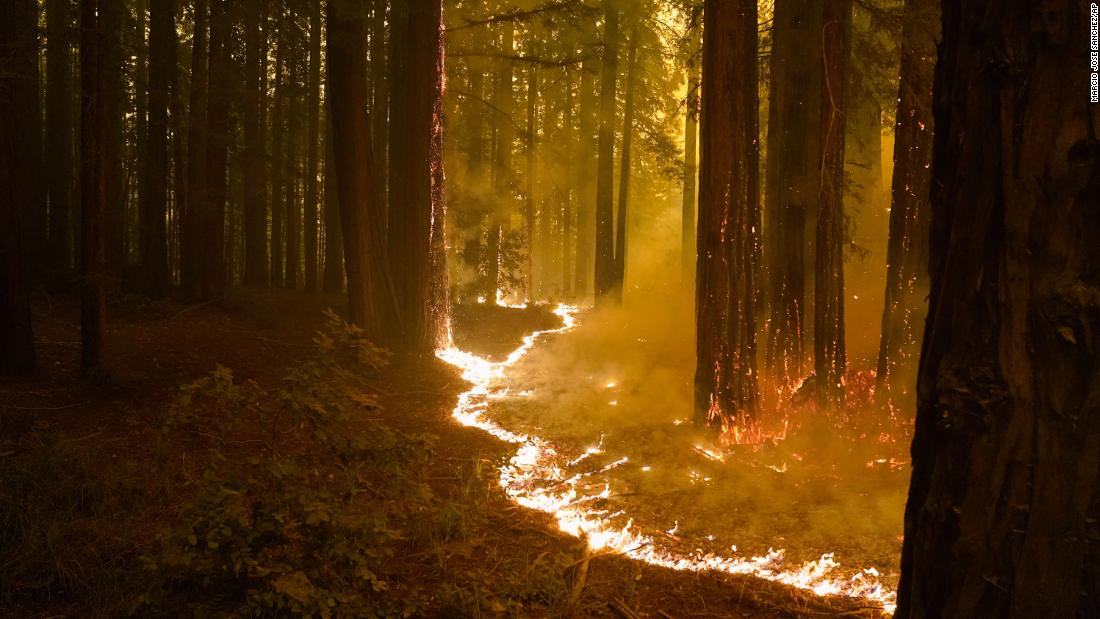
(537, 461)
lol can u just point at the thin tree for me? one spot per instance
(532, 174)
(278, 139)
(691, 148)
(907, 251)
(18, 91)
(59, 170)
(624, 162)
(217, 142)
(153, 239)
(726, 392)
(583, 172)
(333, 280)
(503, 100)
(292, 189)
(1001, 519)
(362, 215)
(93, 185)
(830, 359)
(255, 159)
(605, 168)
(312, 140)
(191, 236)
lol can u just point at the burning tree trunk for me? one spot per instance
(792, 177)
(691, 148)
(255, 157)
(605, 171)
(416, 216)
(1005, 494)
(907, 251)
(18, 91)
(830, 360)
(624, 171)
(362, 215)
(93, 184)
(725, 374)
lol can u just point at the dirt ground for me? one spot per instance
(153, 347)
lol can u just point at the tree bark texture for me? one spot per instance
(605, 169)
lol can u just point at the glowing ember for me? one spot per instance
(536, 462)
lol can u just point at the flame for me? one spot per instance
(536, 462)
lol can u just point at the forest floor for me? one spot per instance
(91, 486)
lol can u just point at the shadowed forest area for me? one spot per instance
(549, 308)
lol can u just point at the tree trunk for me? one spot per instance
(191, 241)
(413, 217)
(217, 151)
(115, 14)
(691, 170)
(334, 252)
(93, 185)
(18, 94)
(624, 170)
(584, 167)
(830, 360)
(292, 212)
(153, 239)
(502, 161)
(1003, 505)
(312, 140)
(567, 213)
(792, 176)
(725, 376)
(59, 170)
(255, 159)
(532, 173)
(907, 252)
(363, 216)
(178, 126)
(380, 97)
(278, 138)
(605, 170)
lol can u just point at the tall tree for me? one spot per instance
(624, 161)
(907, 251)
(584, 168)
(605, 170)
(415, 218)
(532, 173)
(691, 148)
(153, 240)
(217, 147)
(362, 215)
(503, 99)
(792, 179)
(292, 211)
(333, 280)
(115, 15)
(725, 292)
(18, 94)
(255, 157)
(1002, 510)
(59, 170)
(312, 139)
(830, 358)
(94, 127)
(193, 220)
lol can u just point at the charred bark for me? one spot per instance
(792, 177)
(907, 250)
(830, 358)
(1005, 493)
(726, 392)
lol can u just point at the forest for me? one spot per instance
(549, 308)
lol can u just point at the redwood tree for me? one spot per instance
(153, 238)
(94, 127)
(727, 238)
(18, 89)
(907, 251)
(605, 169)
(1005, 494)
(362, 214)
(830, 358)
